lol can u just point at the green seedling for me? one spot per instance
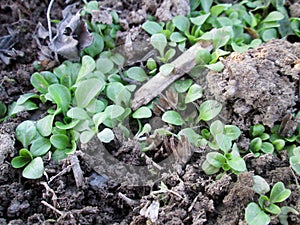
(259, 214)
(221, 137)
(159, 42)
(294, 159)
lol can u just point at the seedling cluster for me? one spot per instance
(92, 97)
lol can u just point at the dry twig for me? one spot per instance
(183, 64)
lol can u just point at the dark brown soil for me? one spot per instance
(192, 197)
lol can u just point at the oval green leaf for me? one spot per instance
(40, 146)
(215, 159)
(279, 193)
(255, 216)
(44, 125)
(172, 117)
(34, 169)
(60, 141)
(136, 73)
(152, 27)
(61, 95)
(142, 113)
(87, 90)
(209, 110)
(195, 92)
(25, 132)
(106, 135)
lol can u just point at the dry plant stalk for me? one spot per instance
(182, 64)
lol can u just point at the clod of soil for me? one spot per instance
(260, 85)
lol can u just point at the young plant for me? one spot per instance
(259, 214)
(228, 158)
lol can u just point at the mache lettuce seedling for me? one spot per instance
(259, 214)
(228, 158)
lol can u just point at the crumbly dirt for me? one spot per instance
(260, 85)
(192, 197)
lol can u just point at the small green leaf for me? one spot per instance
(24, 98)
(177, 37)
(232, 131)
(195, 92)
(39, 82)
(191, 135)
(208, 168)
(3, 109)
(114, 111)
(166, 69)
(260, 185)
(86, 136)
(273, 16)
(78, 113)
(182, 23)
(200, 20)
(141, 113)
(146, 130)
(34, 169)
(221, 37)
(172, 117)
(295, 163)
(255, 216)
(223, 142)
(278, 144)
(96, 47)
(21, 160)
(170, 54)
(118, 93)
(106, 135)
(59, 154)
(61, 95)
(209, 110)
(152, 27)
(257, 130)
(216, 127)
(40, 146)
(206, 5)
(96, 106)
(218, 9)
(44, 125)
(215, 159)
(60, 141)
(269, 34)
(159, 42)
(203, 57)
(218, 67)
(68, 126)
(87, 90)
(151, 64)
(25, 132)
(238, 164)
(279, 193)
(88, 65)
(255, 144)
(182, 86)
(273, 209)
(267, 147)
(136, 73)
(105, 65)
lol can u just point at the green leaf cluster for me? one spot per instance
(228, 157)
(259, 214)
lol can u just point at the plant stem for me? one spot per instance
(49, 19)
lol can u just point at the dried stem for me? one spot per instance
(49, 19)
